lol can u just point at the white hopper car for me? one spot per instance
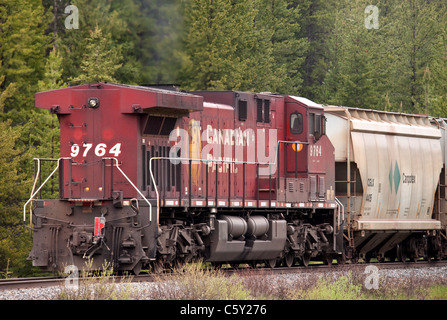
(390, 181)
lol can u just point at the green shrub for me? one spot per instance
(98, 285)
(193, 282)
(437, 292)
(325, 288)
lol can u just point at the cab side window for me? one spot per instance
(296, 123)
(311, 123)
(317, 125)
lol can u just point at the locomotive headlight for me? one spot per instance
(93, 103)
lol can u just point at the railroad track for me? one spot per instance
(335, 267)
(34, 282)
(41, 282)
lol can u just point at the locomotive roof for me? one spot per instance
(131, 99)
(307, 102)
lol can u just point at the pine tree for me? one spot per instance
(101, 59)
(242, 45)
(52, 78)
(161, 29)
(56, 28)
(6, 93)
(435, 74)
(354, 75)
(22, 50)
(14, 183)
(415, 40)
(211, 45)
(109, 17)
(317, 25)
(437, 84)
(284, 48)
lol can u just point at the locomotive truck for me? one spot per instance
(156, 177)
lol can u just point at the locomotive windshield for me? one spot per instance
(296, 123)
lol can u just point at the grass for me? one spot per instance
(437, 292)
(194, 282)
(341, 288)
(98, 285)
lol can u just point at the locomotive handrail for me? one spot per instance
(215, 161)
(131, 183)
(341, 208)
(34, 193)
(193, 159)
(41, 186)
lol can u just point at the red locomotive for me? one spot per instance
(153, 176)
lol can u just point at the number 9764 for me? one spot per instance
(100, 150)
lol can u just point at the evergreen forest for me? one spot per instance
(381, 54)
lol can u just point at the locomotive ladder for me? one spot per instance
(37, 178)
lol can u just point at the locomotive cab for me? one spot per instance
(308, 153)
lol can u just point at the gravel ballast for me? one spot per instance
(143, 290)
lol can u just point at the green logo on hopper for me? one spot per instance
(394, 177)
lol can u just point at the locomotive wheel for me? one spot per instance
(157, 266)
(270, 263)
(327, 259)
(305, 259)
(289, 260)
(341, 258)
